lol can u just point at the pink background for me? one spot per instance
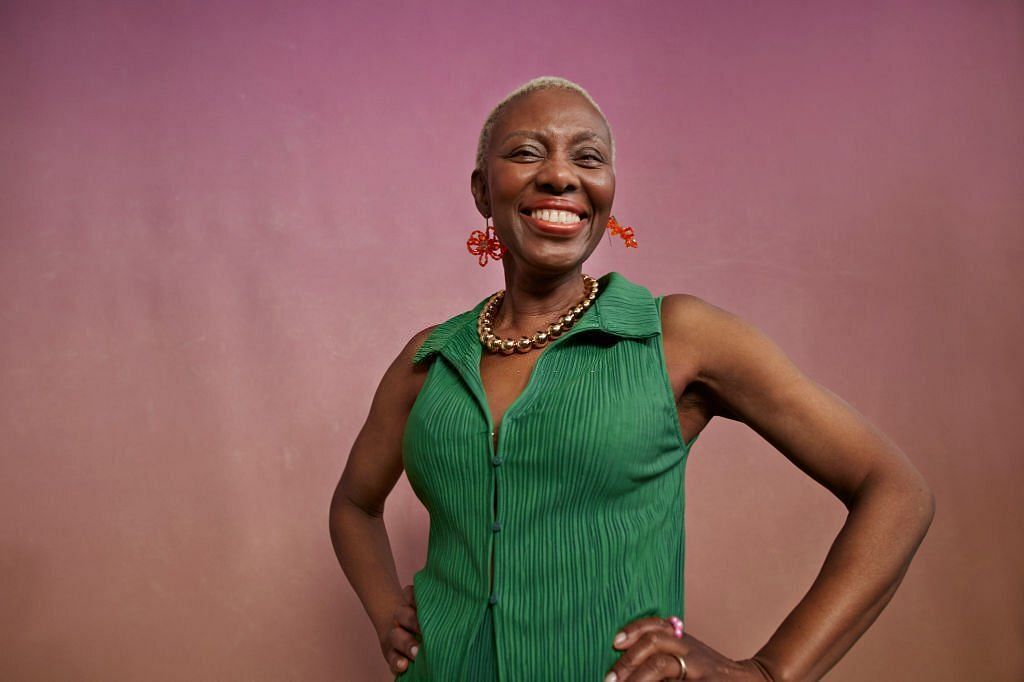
(220, 222)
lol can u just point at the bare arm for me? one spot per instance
(374, 464)
(890, 505)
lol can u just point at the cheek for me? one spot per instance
(602, 190)
(505, 187)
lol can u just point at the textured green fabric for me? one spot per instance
(482, 657)
(588, 478)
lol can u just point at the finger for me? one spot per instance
(397, 663)
(651, 642)
(405, 616)
(412, 600)
(404, 643)
(637, 628)
(659, 667)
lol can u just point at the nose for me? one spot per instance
(557, 175)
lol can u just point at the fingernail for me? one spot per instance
(611, 677)
(401, 663)
(414, 649)
(620, 638)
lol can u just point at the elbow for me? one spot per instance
(916, 502)
(902, 495)
(927, 507)
(336, 513)
(919, 499)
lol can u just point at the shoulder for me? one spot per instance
(683, 321)
(403, 364)
(403, 378)
(723, 345)
(417, 342)
(431, 339)
(717, 340)
(686, 318)
(428, 340)
(412, 363)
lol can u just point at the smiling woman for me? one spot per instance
(552, 128)
(546, 430)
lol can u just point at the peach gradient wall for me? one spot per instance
(220, 221)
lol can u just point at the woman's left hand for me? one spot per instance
(650, 651)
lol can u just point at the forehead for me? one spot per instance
(553, 111)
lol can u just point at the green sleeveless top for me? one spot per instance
(588, 481)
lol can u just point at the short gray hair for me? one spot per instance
(539, 83)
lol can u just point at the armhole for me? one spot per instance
(667, 380)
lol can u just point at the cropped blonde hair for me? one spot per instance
(539, 83)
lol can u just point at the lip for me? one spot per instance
(556, 205)
(557, 229)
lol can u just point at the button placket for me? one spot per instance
(496, 460)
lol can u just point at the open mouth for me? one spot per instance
(557, 218)
(557, 223)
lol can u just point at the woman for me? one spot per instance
(555, 486)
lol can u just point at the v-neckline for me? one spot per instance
(497, 428)
(463, 348)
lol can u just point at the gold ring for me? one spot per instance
(682, 664)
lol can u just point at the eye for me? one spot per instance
(522, 152)
(591, 155)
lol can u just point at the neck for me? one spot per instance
(534, 301)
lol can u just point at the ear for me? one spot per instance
(478, 185)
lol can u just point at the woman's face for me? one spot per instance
(549, 147)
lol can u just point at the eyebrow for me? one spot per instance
(582, 135)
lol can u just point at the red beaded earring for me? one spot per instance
(485, 243)
(625, 232)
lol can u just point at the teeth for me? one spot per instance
(563, 217)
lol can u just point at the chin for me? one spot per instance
(555, 260)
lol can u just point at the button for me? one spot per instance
(494, 598)
(496, 526)
(496, 460)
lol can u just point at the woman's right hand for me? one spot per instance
(400, 642)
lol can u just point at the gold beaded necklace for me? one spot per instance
(524, 344)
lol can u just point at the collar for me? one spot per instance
(622, 308)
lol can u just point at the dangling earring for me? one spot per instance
(625, 232)
(485, 243)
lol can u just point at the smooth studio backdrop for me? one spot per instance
(221, 221)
